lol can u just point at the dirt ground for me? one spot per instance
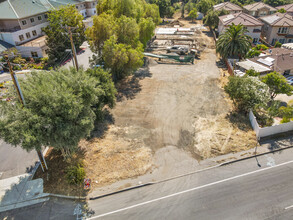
(168, 113)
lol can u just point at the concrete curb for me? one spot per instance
(190, 173)
(122, 190)
(257, 155)
(38, 164)
(67, 197)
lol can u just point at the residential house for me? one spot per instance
(288, 8)
(21, 21)
(275, 59)
(259, 9)
(252, 24)
(228, 6)
(277, 27)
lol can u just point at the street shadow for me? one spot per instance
(278, 142)
(240, 120)
(129, 87)
(31, 168)
(20, 189)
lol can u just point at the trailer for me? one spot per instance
(176, 57)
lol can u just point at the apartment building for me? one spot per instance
(259, 9)
(278, 27)
(252, 24)
(21, 22)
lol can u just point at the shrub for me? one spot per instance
(278, 44)
(75, 174)
(252, 72)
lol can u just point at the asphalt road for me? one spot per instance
(242, 190)
(15, 161)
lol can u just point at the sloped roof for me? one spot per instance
(258, 5)
(240, 18)
(288, 8)
(4, 46)
(15, 9)
(228, 6)
(278, 19)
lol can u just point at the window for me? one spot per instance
(34, 33)
(290, 41)
(21, 38)
(34, 54)
(45, 16)
(32, 20)
(39, 18)
(282, 41)
(282, 30)
(28, 35)
(23, 22)
(274, 41)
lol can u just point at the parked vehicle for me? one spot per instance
(290, 80)
(177, 49)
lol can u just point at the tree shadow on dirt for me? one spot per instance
(129, 87)
(101, 126)
(240, 120)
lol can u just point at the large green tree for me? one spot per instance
(247, 92)
(204, 6)
(193, 14)
(277, 84)
(57, 36)
(233, 42)
(275, 3)
(61, 107)
(103, 28)
(212, 18)
(121, 59)
(146, 30)
(163, 6)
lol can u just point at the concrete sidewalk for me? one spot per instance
(20, 191)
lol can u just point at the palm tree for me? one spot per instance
(234, 42)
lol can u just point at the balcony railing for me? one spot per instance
(10, 29)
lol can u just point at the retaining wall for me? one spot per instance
(269, 131)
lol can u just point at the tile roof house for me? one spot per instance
(288, 8)
(278, 27)
(228, 6)
(22, 21)
(280, 61)
(252, 24)
(259, 9)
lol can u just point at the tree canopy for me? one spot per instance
(120, 33)
(212, 18)
(57, 37)
(247, 92)
(61, 107)
(193, 14)
(233, 42)
(277, 84)
(204, 6)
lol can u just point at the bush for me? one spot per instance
(170, 12)
(177, 6)
(252, 72)
(278, 44)
(19, 60)
(261, 47)
(75, 174)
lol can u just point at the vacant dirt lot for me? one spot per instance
(168, 114)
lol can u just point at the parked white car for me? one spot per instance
(177, 49)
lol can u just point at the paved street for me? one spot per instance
(14, 160)
(242, 190)
(82, 59)
(49, 210)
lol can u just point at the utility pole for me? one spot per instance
(72, 47)
(21, 99)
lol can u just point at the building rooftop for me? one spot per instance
(240, 18)
(288, 8)
(15, 9)
(257, 6)
(4, 46)
(278, 19)
(248, 64)
(228, 6)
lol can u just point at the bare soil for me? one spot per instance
(168, 110)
